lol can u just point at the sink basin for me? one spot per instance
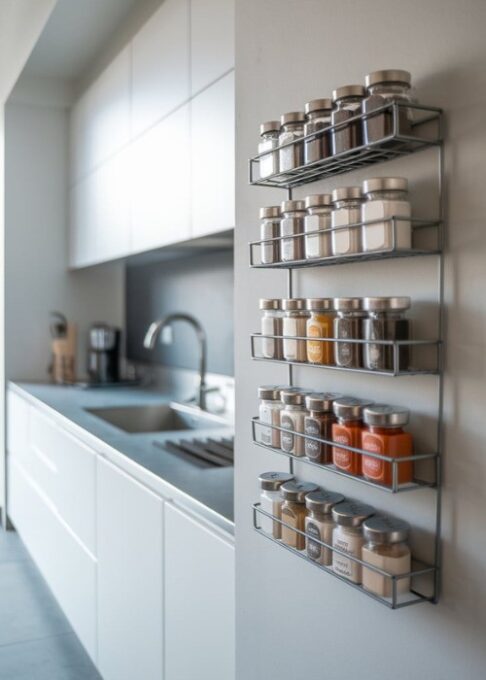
(155, 418)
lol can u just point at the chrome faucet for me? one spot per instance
(163, 328)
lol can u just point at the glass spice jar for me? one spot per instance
(271, 324)
(318, 219)
(347, 430)
(347, 104)
(271, 500)
(346, 240)
(383, 434)
(385, 87)
(292, 129)
(386, 199)
(319, 524)
(317, 118)
(386, 548)
(269, 133)
(294, 325)
(294, 512)
(320, 325)
(347, 536)
(385, 321)
(348, 325)
(291, 225)
(318, 423)
(269, 229)
(292, 418)
(269, 413)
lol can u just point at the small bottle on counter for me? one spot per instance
(318, 218)
(272, 324)
(317, 118)
(386, 547)
(347, 536)
(347, 430)
(346, 211)
(318, 423)
(294, 512)
(269, 413)
(385, 321)
(294, 325)
(348, 325)
(271, 500)
(291, 225)
(347, 104)
(383, 434)
(320, 325)
(269, 133)
(385, 87)
(292, 129)
(319, 524)
(292, 418)
(270, 228)
(386, 198)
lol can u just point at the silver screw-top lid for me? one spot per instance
(385, 184)
(297, 491)
(350, 408)
(318, 105)
(382, 415)
(351, 514)
(292, 206)
(292, 117)
(346, 194)
(272, 481)
(270, 211)
(270, 303)
(348, 304)
(381, 529)
(394, 75)
(293, 397)
(320, 304)
(318, 200)
(269, 126)
(348, 91)
(321, 401)
(386, 304)
(271, 392)
(322, 501)
(293, 304)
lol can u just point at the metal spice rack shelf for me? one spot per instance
(425, 133)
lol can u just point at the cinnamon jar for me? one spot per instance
(347, 430)
(294, 512)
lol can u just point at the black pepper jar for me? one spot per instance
(385, 87)
(347, 104)
(386, 322)
(317, 119)
(348, 325)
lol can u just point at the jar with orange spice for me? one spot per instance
(320, 325)
(347, 430)
(383, 433)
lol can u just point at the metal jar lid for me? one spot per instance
(292, 397)
(270, 303)
(271, 392)
(348, 91)
(318, 105)
(292, 206)
(269, 126)
(272, 481)
(346, 194)
(382, 415)
(320, 304)
(394, 75)
(386, 304)
(321, 401)
(348, 304)
(318, 200)
(270, 211)
(381, 529)
(385, 184)
(350, 408)
(293, 304)
(292, 117)
(322, 501)
(297, 491)
(351, 514)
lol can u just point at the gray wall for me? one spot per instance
(292, 619)
(202, 286)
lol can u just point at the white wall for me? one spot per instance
(292, 619)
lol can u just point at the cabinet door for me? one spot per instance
(213, 158)
(160, 65)
(17, 426)
(130, 578)
(161, 183)
(199, 607)
(212, 41)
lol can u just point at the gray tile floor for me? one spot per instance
(36, 640)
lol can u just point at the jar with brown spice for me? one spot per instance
(319, 524)
(347, 104)
(294, 512)
(318, 423)
(317, 119)
(385, 87)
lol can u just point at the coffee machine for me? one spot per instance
(104, 354)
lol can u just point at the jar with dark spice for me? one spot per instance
(292, 129)
(270, 228)
(292, 225)
(317, 118)
(386, 322)
(347, 104)
(269, 133)
(348, 325)
(385, 87)
(318, 423)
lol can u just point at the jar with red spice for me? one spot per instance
(347, 430)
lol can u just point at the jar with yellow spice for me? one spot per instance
(320, 325)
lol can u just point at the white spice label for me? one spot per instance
(350, 544)
(287, 438)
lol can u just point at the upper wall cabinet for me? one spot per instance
(100, 120)
(161, 79)
(212, 41)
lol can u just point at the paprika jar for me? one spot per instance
(320, 325)
(294, 512)
(347, 430)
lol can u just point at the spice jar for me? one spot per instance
(294, 512)
(318, 218)
(385, 87)
(347, 104)
(386, 198)
(269, 133)
(271, 500)
(386, 322)
(317, 118)
(386, 547)
(319, 524)
(320, 325)
(347, 536)
(348, 325)
(292, 129)
(347, 430)
(346, 211)
(318, 423)
(383, 433)
(292, 224)
(272, 324)
(294, 325)
(269, 412)
(292, 418)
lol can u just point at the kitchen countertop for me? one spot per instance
(207, 492)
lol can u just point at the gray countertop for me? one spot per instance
(208, 492)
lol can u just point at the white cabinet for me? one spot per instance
(213, 158)
(160, 65)
(199, 605)
(130, 577)
(161, 183)
(212, 41)
(17, 426)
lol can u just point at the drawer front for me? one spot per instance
(17, 426)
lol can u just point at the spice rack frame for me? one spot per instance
(427, 132)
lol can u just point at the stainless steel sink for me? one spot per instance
(156, 418)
